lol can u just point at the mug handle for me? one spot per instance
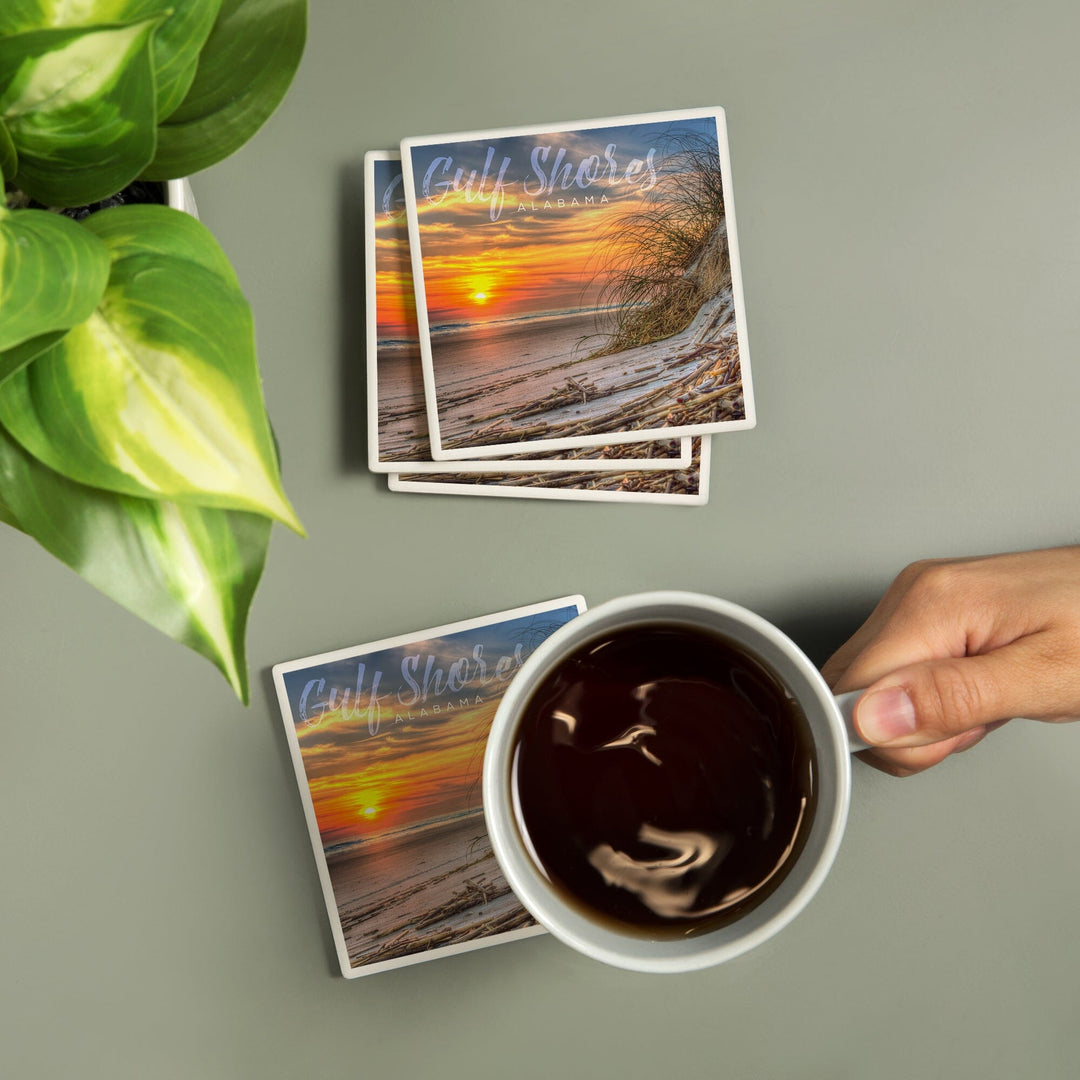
(846, 704)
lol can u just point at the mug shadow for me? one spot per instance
(820, 630)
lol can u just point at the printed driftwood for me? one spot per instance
(689, 379)
(685, 481)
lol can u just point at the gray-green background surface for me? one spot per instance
(906, 183)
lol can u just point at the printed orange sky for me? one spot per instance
(509, 268)
(418, 756)
(513, 267)
(408, 774)
(395, 301)
(515, 225)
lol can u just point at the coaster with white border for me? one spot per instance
(577, 284)
(387, 741)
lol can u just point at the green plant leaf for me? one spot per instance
(53, 272)
(175, 48)
(16, 358)
(7, 515)
(79, 107)
(9, 157)
(157, 394)
(187, 570)
(245, 69)
(147, 229)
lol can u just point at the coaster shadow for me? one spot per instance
(352, 348)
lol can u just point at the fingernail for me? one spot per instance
(885, 715)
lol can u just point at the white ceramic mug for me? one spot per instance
(834, 740)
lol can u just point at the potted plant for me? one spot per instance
(134, 441)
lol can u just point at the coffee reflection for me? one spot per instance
(663, 779)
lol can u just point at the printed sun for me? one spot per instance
(368, 804)
(479, 287)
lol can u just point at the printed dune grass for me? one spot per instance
(664, 261)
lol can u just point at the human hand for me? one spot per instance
(957, 647)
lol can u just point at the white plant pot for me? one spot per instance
(178, 195)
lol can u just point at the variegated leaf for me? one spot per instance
(146, 229)
(9, 157)
(176, 44)
(189, 571)
(53, 272)
(157, 394)
(14, 359)
(245, 68)
(79, 107)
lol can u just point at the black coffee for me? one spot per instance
(664, 779)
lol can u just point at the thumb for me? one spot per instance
(937, 699)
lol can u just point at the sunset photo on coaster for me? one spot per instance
(577, 285)
(387, 741)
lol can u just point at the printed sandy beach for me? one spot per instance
(541, 384)
(403, 438)
(414, 893)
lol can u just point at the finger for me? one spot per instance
(909, 760)
(835, 669)
(934, 700)
(903, 637)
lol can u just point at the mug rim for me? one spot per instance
(571, 925)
